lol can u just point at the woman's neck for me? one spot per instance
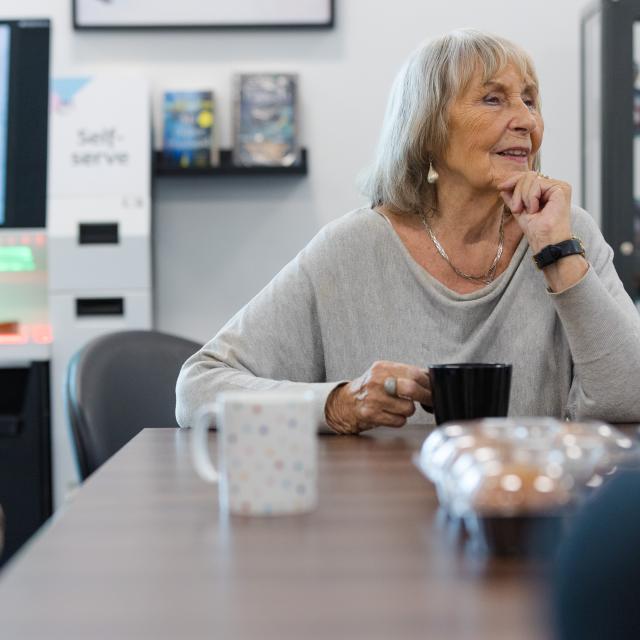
(470, 216)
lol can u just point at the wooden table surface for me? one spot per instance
(143, 552)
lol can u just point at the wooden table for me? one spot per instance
(143, 552)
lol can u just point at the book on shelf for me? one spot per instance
(266, 120)
(189, 129)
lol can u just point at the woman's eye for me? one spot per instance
(530, 102)
(492, 99)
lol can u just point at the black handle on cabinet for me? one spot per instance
(99, 307)
(98, 233)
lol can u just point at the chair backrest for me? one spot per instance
(117, 385)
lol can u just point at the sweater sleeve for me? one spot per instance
(602, 327)
(274, 342)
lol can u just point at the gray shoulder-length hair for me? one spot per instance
(415, 128)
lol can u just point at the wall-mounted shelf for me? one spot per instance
(227, 168)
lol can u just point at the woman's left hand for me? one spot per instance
(540, 205)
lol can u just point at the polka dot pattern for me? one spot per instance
(271, 454)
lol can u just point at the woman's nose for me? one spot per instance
(523, 119)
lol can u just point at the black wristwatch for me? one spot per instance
(553, 252)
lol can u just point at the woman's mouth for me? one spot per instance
(518, 156)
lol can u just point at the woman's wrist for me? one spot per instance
(539, 242)
(334, 412)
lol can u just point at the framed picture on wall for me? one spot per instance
(203, 14)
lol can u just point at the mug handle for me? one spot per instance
(199, 450)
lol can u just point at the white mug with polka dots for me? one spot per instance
(267, 451)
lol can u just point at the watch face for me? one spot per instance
(555, 252)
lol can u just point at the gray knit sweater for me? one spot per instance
(354, 295)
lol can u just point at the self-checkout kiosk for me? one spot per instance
(99, 222)
(75, 254)
(25, 333)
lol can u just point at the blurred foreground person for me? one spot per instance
(597, 579)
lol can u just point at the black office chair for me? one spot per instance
(117, 385)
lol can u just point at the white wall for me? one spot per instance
(218, 241)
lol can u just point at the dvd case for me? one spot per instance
(266, 120)
(189, 129)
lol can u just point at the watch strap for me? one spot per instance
(554, 252)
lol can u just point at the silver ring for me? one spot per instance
(391, 386)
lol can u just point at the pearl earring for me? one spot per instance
(432, 176)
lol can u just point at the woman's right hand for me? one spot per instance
(364, 404)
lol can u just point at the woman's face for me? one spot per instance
(495, 130)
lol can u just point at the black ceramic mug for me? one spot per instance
(470, 390)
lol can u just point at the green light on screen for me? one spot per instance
(14, 259)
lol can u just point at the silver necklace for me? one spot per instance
(489, 276)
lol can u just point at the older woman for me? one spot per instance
(438, 268)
